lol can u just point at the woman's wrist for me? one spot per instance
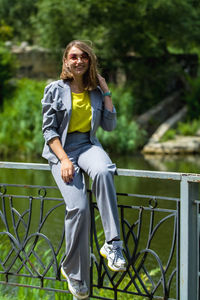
(108, 103)
(107, 93)
(63, 158)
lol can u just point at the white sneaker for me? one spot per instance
(76, 287)
(113, 253)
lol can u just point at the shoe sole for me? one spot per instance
(69, 286)
(111, 267)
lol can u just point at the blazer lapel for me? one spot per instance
(65, 94)
(93, 100)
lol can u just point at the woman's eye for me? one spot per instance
(84, 56)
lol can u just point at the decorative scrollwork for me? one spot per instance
(146, 275)
(42, 192)
(153, 203)
(29, 253)
(3, 189)
(31, 249)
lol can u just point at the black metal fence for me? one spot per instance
(31, 252)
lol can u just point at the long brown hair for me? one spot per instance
(90, 77)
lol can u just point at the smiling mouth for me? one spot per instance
(80, 68)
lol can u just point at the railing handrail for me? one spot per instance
(192, 177)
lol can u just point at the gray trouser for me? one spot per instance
(96, 163)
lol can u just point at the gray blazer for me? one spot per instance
(56, 109)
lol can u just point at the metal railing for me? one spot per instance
(32, 253)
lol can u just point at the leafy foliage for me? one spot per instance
(188, 128)
(147, 30)
(7, 71)
(21, 120)
(192, 98)
(18, 15)
(6, 31)
(143, 29)
(127, 137)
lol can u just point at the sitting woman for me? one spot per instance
(73, 108)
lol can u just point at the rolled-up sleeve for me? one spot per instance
(109, 119)
(49, 125)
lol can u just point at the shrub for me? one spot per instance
(21, 120)
(6, 31)
(188, 128)
(182, 128)
(8, 66)
(192, 98)
(169, 135)
(127, 137)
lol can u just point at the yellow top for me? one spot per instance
(81, 113)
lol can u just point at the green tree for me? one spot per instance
(121, 31)
(58, 22)
(127, 35)
(18, 15)
(6, 32)
(144, 26)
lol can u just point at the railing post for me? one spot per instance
(188, 240)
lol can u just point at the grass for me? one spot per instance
(8, 292)
(188, 128)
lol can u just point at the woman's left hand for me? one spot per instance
(102, 83)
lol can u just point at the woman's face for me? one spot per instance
(77, 61)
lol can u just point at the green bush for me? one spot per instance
(192, 98)
(189, 127)
(8, 66)
(169, 135)
(21, 120)
(6, 31)
(183, 128)
(127, 137)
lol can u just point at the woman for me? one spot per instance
(73, 108)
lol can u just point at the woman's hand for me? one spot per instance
(102, 83)
(105, 89)
(67, 167)
(67, 170)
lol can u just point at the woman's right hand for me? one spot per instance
(67, 170)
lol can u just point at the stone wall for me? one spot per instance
(35, 62)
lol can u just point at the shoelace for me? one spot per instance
(82, 287)
(117, 254)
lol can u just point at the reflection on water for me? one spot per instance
(166, 163)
